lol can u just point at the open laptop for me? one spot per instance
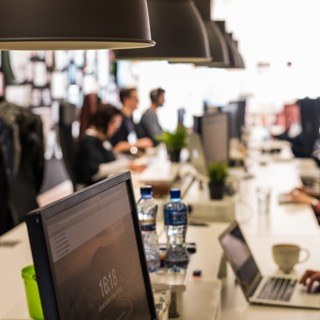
(284, 291)
(88, 255)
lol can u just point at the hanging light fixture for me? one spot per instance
(242, 64)
(179, 32)
(231, 49)
(74, 24)
(238, 63)
(217, 43)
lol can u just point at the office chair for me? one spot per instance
(310, 121)
(67, 115)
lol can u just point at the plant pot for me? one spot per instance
(174, 155)
(216, 191)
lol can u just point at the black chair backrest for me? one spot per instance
(310, 120)
(67, 115)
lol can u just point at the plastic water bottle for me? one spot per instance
(176, 222)
(147, 212)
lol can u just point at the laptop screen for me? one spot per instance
(93, 251)
(239, 256)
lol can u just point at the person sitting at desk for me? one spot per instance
(306, 196)
(149, 121)
(95, 159)
(129, 134)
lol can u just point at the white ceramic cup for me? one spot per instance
(286, 256)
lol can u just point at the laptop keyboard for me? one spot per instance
(277, 289)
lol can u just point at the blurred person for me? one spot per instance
(95, 159)
(292, 122)
(129, 134)
(149, 121)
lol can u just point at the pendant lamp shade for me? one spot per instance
(238, 64)
(231, 49)
(217, 43)
(74, 24)
(179, 33)
(242, 64)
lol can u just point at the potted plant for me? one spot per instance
(175, 142)
(218, 173)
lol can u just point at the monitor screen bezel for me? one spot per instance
(36, 223)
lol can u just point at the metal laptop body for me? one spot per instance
(251, 280)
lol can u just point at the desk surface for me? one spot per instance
(12, 299)
(285, 223)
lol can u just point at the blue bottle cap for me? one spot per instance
(175, 194)
(146, 191)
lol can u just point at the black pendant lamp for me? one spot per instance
(242, 64)
(74, 24)
(179, 33)
(237, 58)
(217, 43)
(231, 49)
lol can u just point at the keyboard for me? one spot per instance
(277, 289)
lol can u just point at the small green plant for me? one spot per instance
(174, 140)
(218, 173)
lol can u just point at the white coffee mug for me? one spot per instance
(286, 256)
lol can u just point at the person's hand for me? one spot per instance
(136, 167)
(309, 278)
(297, 195)
(144, 143)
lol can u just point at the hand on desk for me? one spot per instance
(298, 195)
(137, 167)
(144, 143)
(309, 278)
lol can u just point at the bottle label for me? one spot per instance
(148, 227)
(176, 218)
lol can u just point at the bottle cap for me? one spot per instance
(197, 273)
(175, 194)
(146, 191)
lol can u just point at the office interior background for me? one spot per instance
(277, 41)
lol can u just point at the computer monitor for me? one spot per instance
(89, 257)
(181, 114)
(236, 111)
(214, 131)
(232, 110)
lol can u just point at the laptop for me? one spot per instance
(89, 257)
(282, 291)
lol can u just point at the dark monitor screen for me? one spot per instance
(181, 114)
(237, 110)
(95, 266)
(232, 110)
(214, 131)
(239, 256)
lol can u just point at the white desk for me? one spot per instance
(284, 223)
(202, 297)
